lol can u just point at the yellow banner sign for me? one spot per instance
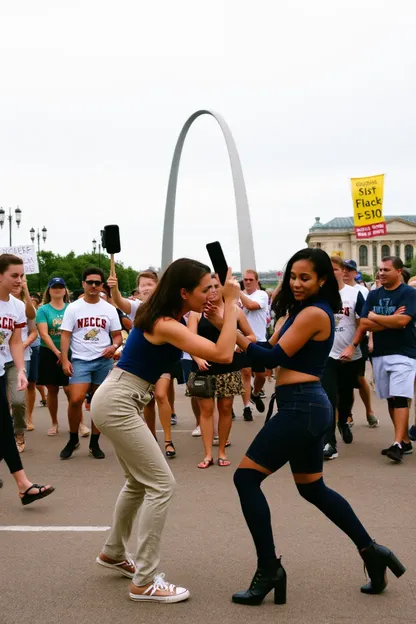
(367, 197)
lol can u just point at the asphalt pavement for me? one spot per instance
(50, 576)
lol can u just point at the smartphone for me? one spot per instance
(218, 260)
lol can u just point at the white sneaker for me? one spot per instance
(84, 432)
(196, 432)
(161, 591)
(215, 441)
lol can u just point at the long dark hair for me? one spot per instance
(167, 300)
(285, 303)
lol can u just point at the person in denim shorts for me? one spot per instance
(310, 297)
(91, 327)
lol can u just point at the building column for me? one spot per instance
(354, 255)
(402, 250)
(379, 246)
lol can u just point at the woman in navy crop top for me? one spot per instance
(309, 296)
(155, 343)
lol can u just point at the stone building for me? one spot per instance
(337, 236)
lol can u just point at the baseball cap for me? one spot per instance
(350, 264)
(56, 281)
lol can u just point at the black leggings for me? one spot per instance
(294, 435)
(8, 448)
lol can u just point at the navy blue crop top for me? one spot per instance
(146, 360)
(310, 359)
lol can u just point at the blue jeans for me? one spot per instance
(296, 433)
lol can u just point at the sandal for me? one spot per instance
(223, 461)
(206, 463)
(126, 567)
(53, 430)
(30, 427)
(169, 454)
(30, 498)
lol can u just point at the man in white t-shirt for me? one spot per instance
(12, 320)
(350, 275)
(340, 375)
(255, 304)
(91, 329)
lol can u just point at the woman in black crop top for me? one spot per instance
(226, 378)
(295, 434)
(153, 346)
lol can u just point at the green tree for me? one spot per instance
(71, 267)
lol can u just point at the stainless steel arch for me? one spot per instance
(245, 235)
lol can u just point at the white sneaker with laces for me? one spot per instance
(196, 433)
(161, 591)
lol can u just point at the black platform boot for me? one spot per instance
(263, 582)
(376, 559)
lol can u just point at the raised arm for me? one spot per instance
(121, 302)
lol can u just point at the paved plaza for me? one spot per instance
(51, 577)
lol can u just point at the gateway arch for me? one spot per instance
(245, 235)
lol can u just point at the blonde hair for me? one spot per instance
(47, 296)
(337, 260)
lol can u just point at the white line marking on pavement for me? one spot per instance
(25, 529)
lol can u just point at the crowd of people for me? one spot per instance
(316, 335)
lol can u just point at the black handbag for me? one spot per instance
(201, 386)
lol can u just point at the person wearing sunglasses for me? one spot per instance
(91, 327)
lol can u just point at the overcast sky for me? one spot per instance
(94, 94)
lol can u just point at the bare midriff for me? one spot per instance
(285, 377)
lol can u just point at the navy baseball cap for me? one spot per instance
(351, 264)
(56, 281)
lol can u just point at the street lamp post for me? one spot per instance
(32, 238)
(94, 249)
(17, 218)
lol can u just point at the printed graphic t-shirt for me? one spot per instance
(12, 316)
(53, 318)
(345, 323)
(91, 325)
(393, 341)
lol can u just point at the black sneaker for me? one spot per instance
(173, 419)
(68, 450)
(330, 452)
(262, 394)
(257, 400)
(407, 448)
(345, 432)
(395, 453)
(96, 452)
(247, 415)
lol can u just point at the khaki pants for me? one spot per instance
(116, 409)
(17, 398)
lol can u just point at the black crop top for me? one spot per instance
(310, 359)
(210, 332)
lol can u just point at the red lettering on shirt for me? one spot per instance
(7, 323)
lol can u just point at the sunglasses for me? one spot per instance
(93, 282)
(248, 279)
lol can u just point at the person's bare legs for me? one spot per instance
(259, 381)
(42, 392)
(30, 404)
(365, 394)
(52, 403)
(165, 409)
(207, 428)
(225, 406)
(196, 410)
(246, 376)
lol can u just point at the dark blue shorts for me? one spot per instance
(34, 365)
(296, 433)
